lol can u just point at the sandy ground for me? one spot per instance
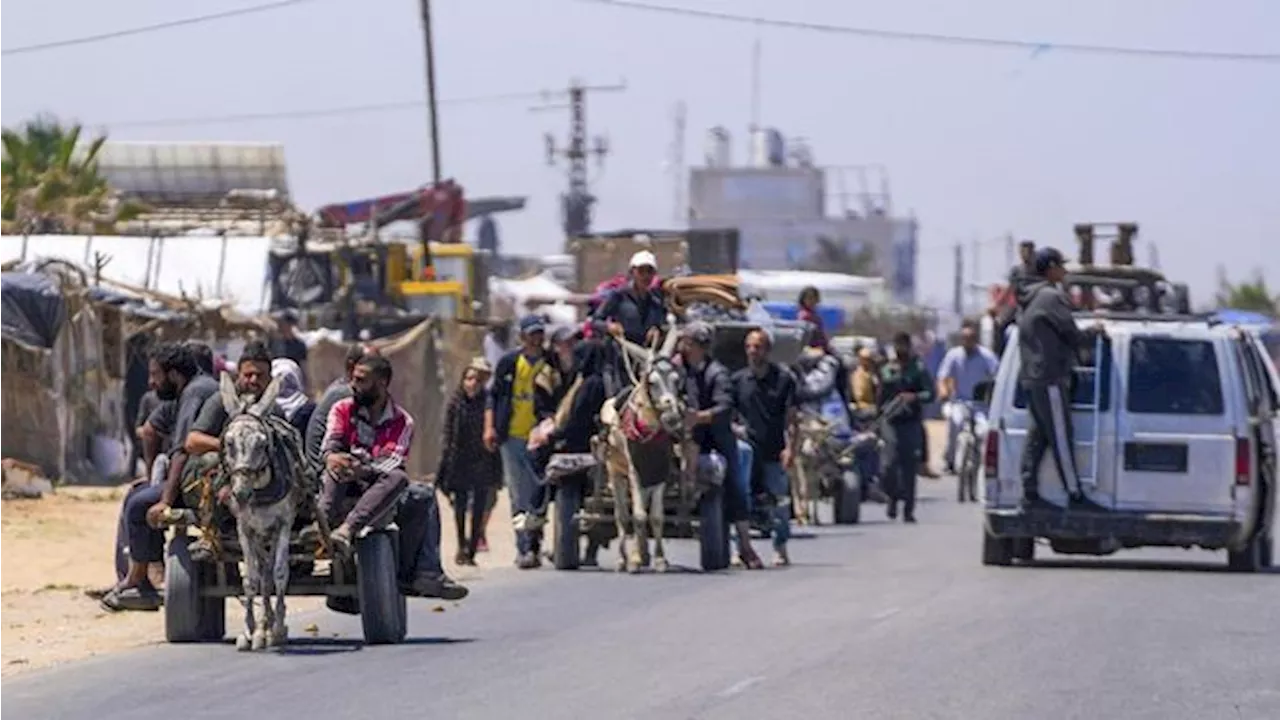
(53, 548)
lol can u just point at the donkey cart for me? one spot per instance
(692, 509)
(195, 591)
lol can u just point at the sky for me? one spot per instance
(978, 142)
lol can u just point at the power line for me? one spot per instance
(142, 29)
(945, 39)
(336, 111)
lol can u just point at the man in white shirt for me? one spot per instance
(962, 368)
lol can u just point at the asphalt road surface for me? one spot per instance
(875, 621)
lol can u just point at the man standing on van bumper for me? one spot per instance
(1048, 342)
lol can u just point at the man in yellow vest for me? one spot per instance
(518, 401)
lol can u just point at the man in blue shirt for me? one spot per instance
(962, 368)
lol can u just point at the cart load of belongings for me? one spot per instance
(714, 299)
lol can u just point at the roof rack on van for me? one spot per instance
(1122, 286)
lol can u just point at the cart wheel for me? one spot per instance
(182, 604)
(996, 550)
(713, 537)
(846, 499)
(568, 498)
(382, 606)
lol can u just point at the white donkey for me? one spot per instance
(641, 434)
(262, 461)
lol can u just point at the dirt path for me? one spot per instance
(53, 548)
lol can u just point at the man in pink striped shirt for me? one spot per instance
(366, 445)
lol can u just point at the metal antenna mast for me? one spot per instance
(576, 203)
(680, 209)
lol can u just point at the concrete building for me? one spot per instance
(780, 202)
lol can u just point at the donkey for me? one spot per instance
(261, 460)
(642, 430)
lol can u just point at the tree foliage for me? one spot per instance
(51, 182)
(1253, 296)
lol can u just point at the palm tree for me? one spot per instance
(51, 182)
(1254, 296)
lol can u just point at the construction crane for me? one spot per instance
(576, 202)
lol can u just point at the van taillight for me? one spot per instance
(991, 453)
(1243, 461)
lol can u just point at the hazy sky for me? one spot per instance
(977, 141)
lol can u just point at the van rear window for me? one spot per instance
(1174, 377)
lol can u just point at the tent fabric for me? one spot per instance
(33, 308)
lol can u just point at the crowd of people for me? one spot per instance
(511, 412)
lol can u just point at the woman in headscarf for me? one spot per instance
(292, 401)
(469, 473)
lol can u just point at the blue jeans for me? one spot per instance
(776, 484)
(742, 482)
(526, 492)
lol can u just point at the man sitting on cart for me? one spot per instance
(635, 313)
(366, 445)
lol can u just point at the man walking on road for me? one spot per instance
(515, 407)
(905, 388)
(764, 395)
(1048, 341)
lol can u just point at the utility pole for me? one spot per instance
(680, 207)
(431, 89)
(576, 203)
(957, 298)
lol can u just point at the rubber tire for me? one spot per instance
(566, 554)
(383, 611)
(1268, 552)
(996, 551)
(846, 505)
(713, 532)
(182, 605)
(1248, 560)
(1024, 549)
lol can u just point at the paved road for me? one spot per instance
(877, 621)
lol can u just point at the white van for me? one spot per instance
(1175, 438)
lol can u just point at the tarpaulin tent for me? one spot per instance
(33, 308)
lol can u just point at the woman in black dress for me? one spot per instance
(469, 474)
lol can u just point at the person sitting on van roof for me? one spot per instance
(1048, 341)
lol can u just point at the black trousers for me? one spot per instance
(902, 444)
(477, 500)
(1050, 429)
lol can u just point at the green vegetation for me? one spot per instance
(1253, 296)
(51, 182)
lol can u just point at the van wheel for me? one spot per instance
(1268, 547)
(996, 550)
(1024, 549)
(1250, 559)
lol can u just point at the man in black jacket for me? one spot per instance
(635, 313)
(1049, 342)
(709, 391)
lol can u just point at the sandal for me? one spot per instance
(751, 561)
(138, 599)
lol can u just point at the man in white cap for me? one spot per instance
(636, 312)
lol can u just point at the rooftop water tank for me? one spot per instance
(719, 149)
(768, 149)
